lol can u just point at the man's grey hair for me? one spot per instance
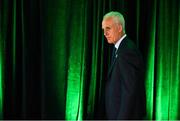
(118, 18)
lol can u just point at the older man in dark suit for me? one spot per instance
(124, 89)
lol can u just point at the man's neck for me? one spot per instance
(119, 41)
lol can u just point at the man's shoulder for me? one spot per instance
(128, 43)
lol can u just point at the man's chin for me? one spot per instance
(110, 42)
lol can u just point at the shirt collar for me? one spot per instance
(119, 41)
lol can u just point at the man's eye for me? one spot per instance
(108, 28)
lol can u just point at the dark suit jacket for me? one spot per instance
(125, 90)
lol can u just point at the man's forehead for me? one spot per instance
(109, 19)
(107, 22)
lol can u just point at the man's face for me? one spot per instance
(112, 30)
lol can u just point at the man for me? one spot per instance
(124, 88)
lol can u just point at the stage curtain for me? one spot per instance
(54, 58)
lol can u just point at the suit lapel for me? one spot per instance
(121, 47)
(111, 67)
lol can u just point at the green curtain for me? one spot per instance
(54, 58)
(167, 77)
(162, 59)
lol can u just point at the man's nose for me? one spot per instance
(105, 33)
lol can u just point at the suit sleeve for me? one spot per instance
(130, 67)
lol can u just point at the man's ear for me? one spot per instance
(120, 28)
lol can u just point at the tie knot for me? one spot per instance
(114, 50)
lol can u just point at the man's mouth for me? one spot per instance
(108, 38)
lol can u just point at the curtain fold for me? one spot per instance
(167, 84)
(54, 57)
